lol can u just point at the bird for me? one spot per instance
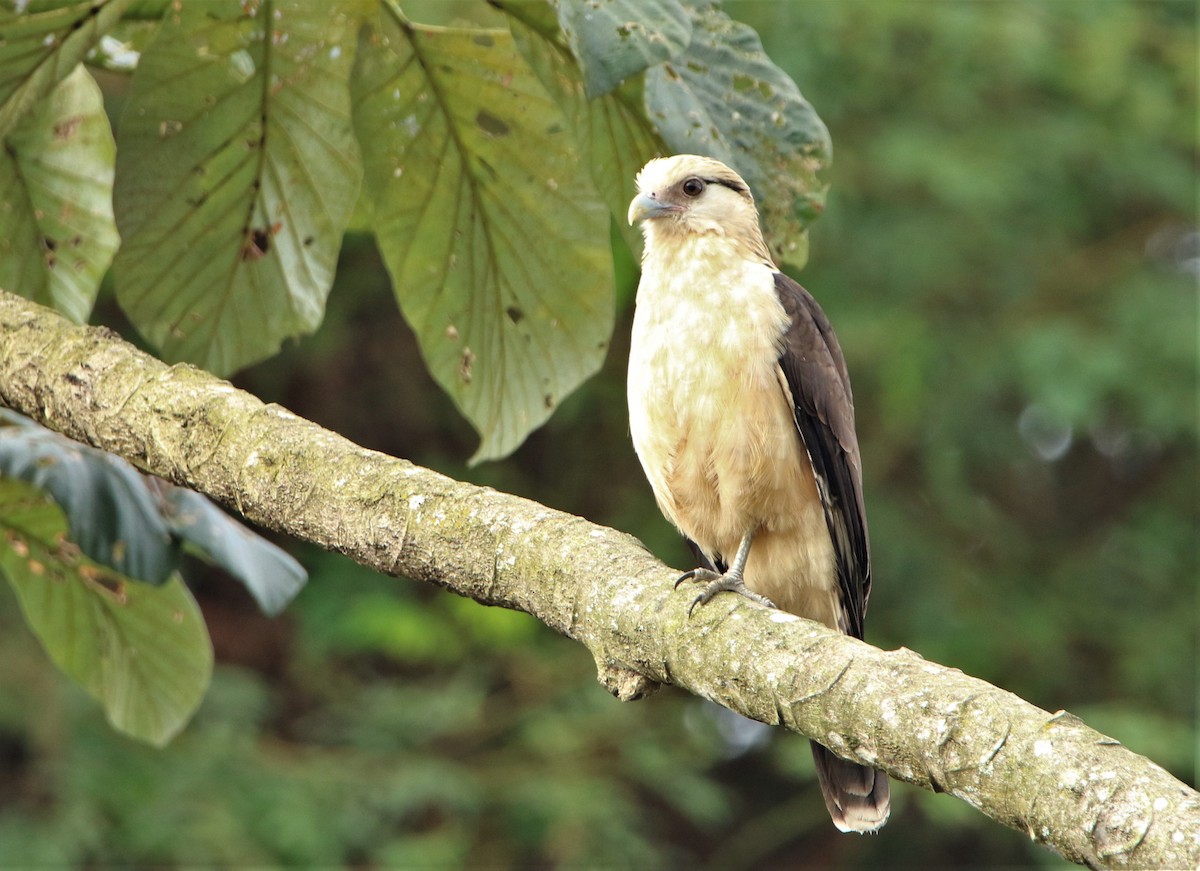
(742, 416)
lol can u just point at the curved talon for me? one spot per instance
(730, 582)
(698, 574)
(702, 599)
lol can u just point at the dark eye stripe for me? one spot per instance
(729, 183)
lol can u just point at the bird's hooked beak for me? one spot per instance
(646, 206)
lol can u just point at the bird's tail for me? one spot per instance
(857, 796)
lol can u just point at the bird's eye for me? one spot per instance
(693, 187)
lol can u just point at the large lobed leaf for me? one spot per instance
(723, 97)
(496, 241)
(142, 651)
(614, 39)
(237, 172)
(57, 234)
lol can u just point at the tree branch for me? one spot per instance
(1048, 775)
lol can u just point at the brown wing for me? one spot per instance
(812, 363)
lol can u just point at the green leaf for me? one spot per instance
(612, 132)
(496, 241)
(614, 39)
(57, 235)
(42, 44)
(133, 522)
(723, 97)
(143, 652)
(237, 172)
(112, 513)
(269, 573)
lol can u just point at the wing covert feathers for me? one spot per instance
(815, 370)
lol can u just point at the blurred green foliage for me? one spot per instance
(1009, 254)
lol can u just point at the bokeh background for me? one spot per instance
(1010, 255)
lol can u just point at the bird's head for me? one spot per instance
(692, 195)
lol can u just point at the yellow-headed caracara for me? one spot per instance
(741, 414)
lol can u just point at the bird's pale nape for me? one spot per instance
(742, 416)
